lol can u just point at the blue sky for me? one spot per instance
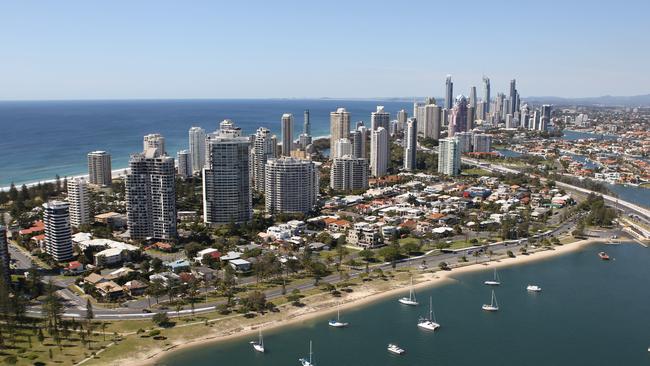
(234, 49)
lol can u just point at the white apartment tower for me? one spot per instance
(156, 141)
(197, 148)
(291, 185)
(184, 161)
(263, 149)
(58, 234)
(339, 128)
(410, 148)
(99, 168)
(464, 141)
(349, 174)
(342, 147)
(379, 152)
(78, 199)
(287, 134)
(226, 178)
(449, 157)
(151, 196)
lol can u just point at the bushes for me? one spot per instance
(511, 254)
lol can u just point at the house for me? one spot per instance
(112, 219)
(231, 256)
(118, 273)
(178, 265)
(73, 268)
(240, 265)
(37, 228)
(135, 288)
(94, 279)
(213, 253)
(317, 246)
(165, 277)
(110, 290)
(204, 273)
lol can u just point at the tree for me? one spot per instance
(161, 318)
(390, 253)
(89, 311)
(255, 301)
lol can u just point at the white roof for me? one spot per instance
(107, 243)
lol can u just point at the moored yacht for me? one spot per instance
(495, 282)
(493, 305)
(429, 323)
(304, 361)
(533, 288)
(259, 345)
(411, 301)
(393, 348)
(337, 323)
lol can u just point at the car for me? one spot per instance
(146, 311)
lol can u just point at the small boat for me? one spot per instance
(496, 281)
(303, 361)
(393, 348)
(493, 305)
(259, 345)
(604, 256)
(411, 301)
(429, 323)
(533, 288)
(337, 323)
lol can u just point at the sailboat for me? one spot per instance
(429, 324)
(494, 305)
(259, 345)
(337, 323)
(496, 281)
(411, 301)
(303, 361)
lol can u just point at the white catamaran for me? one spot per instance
(496, 281)
(429, 323)
(337, 323)
(494, 305)
(411, 301)
(303, 361)
(259, 345)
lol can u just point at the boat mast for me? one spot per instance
(310, 352)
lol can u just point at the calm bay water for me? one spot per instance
(590, 312)
(42, 139)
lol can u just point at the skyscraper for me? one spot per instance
(524, 117)
(343, 147)
(359, 142)
(449, 157)
(263, 149)
(58, 234)
(545, 119)
(349, 174)
(4, 253)
(78, 198)
(449, 92)
(99, 168)
(184, 160)
(513, 96)
(472, 97)
(402, 117)
(287, 134)
(458, 116)
(379, 152)
(306, 128)
(339, 128)
(482, 142)
(379, 118)
(464, 141)
(226, 179)
(486, 94)
(156, 141)
(471, 117)
(197, 148)
(291, 185)
(410, 147)
(151, 196)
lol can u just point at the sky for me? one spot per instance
(80, 49)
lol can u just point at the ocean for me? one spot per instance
(41, 139)
(590, 312)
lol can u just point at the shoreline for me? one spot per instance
(355, 300)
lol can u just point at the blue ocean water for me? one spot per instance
(41, 139)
